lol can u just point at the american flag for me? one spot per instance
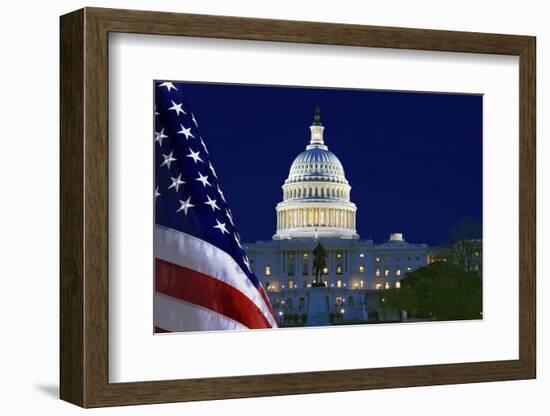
(203, 279)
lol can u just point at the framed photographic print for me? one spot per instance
(257, 207)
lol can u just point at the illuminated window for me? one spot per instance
(362, 255)
(398, 285)
(339, 255)
(339, 269)
(361, 268)
(361, 283)
(291, 284)
(387, 286)
(378, 259)
(379, 286)
(476, 253)
(377, 272)
(398, 272)
(408, 269)
(386, 272)
(339, 283)
(325, 270)
(268, 270)
(338, 300)
(306, 255)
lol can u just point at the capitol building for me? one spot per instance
(317, 207)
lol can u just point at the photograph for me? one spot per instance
(281, 206)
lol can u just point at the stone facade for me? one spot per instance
(316, 207)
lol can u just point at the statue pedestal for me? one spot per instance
(318, 309)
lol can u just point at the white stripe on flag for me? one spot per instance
(187, 251)
(175, 315)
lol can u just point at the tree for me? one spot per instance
(439, 291)
(319, 263)
(466, 245)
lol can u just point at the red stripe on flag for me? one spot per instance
(198, 288)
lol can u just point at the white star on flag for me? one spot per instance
(169, 86)
(204, 146)
(186, 132)
(176, 182)
(237, 240)
(168, 159)
(159, 136)
(157, 193)
(212, 169)
(229, 216)
(221, 226)
(212, 203)
(177, 108)
(247, 263)
(185, 205)
(203, 180)
(195, 156)
(221, 193)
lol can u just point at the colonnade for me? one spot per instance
(316, 217)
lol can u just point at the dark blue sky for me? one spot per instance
(414, 160)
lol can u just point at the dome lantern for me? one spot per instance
(317, 129)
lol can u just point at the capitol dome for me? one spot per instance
(316, 163)
(316, 194)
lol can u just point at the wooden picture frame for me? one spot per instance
(84, 207)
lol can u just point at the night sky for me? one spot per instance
(413, 160)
